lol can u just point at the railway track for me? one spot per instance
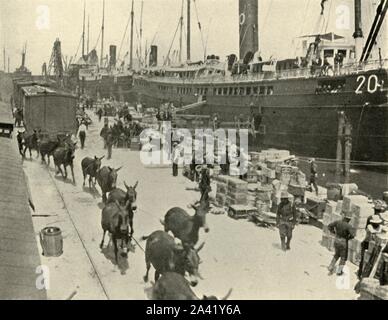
(92, 262)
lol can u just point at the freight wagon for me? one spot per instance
(50, 110)
(18, 85)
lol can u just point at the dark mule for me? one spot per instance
(107, 179)
(167, 256)
(186, 227)
(48, 146)
(126, 198)
(173, 286)
(90, 168)
(65, 156)
(31, 142)
(115, 220)
(20, 140)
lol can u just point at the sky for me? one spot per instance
(40, 22)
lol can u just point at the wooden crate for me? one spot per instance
(316, 207)
(221, 200)
(241, 211)
(296, 191)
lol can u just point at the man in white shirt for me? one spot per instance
(82, 133)
(176, 154)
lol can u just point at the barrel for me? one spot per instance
(51, 241)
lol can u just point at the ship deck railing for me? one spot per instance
(300, 73)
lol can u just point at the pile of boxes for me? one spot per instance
(332, 213)
(222, 190)
(237, 192)
(263, 198)
(231, 191)
(371, 289)
(359, 209)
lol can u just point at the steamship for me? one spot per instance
(101, 78)
(298, 100)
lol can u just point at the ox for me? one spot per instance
(115, 220)
(186, 227)
(90, 168)
(123, 198)
(173, 286)
(65, 156)
(107, 179)
(166, 256)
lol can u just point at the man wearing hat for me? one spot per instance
(374, 227)
(343, 232)
(205, 186)
(176, 154)
(285, 220)
(313, 175)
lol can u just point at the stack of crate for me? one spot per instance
(331, 214)
(251, 197)
(251, 174)
(360, 210)
(283, 174)
(222, 190)
(263, 198)
(237, 192)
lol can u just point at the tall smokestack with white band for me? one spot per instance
(249, 27)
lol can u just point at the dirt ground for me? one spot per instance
(237, 254)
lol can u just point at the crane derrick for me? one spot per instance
(56, 62)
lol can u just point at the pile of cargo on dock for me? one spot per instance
(269, 173)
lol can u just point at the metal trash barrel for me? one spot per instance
(51, 241)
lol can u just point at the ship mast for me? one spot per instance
(358, 34)
(131, 48)
(188, 30)
(181, 34)
(102, 34)
(83, 33)
(141, 32)
(87, 45)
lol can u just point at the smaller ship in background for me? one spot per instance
(105, 76)
(22, 71)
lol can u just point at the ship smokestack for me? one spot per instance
(358, 34)
(23, 59)
(153, 56)
(249, 25)
(112, 53)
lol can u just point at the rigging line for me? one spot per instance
(328, 19)
(79, 45)
(207, 38)
(267, 16)
(199, 26)
(122, 40)
(172, 42)
(98, 40)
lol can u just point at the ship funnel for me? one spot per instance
(153, 56)
(112, 54)
(249, 28)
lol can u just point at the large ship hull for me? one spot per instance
(296, 115)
